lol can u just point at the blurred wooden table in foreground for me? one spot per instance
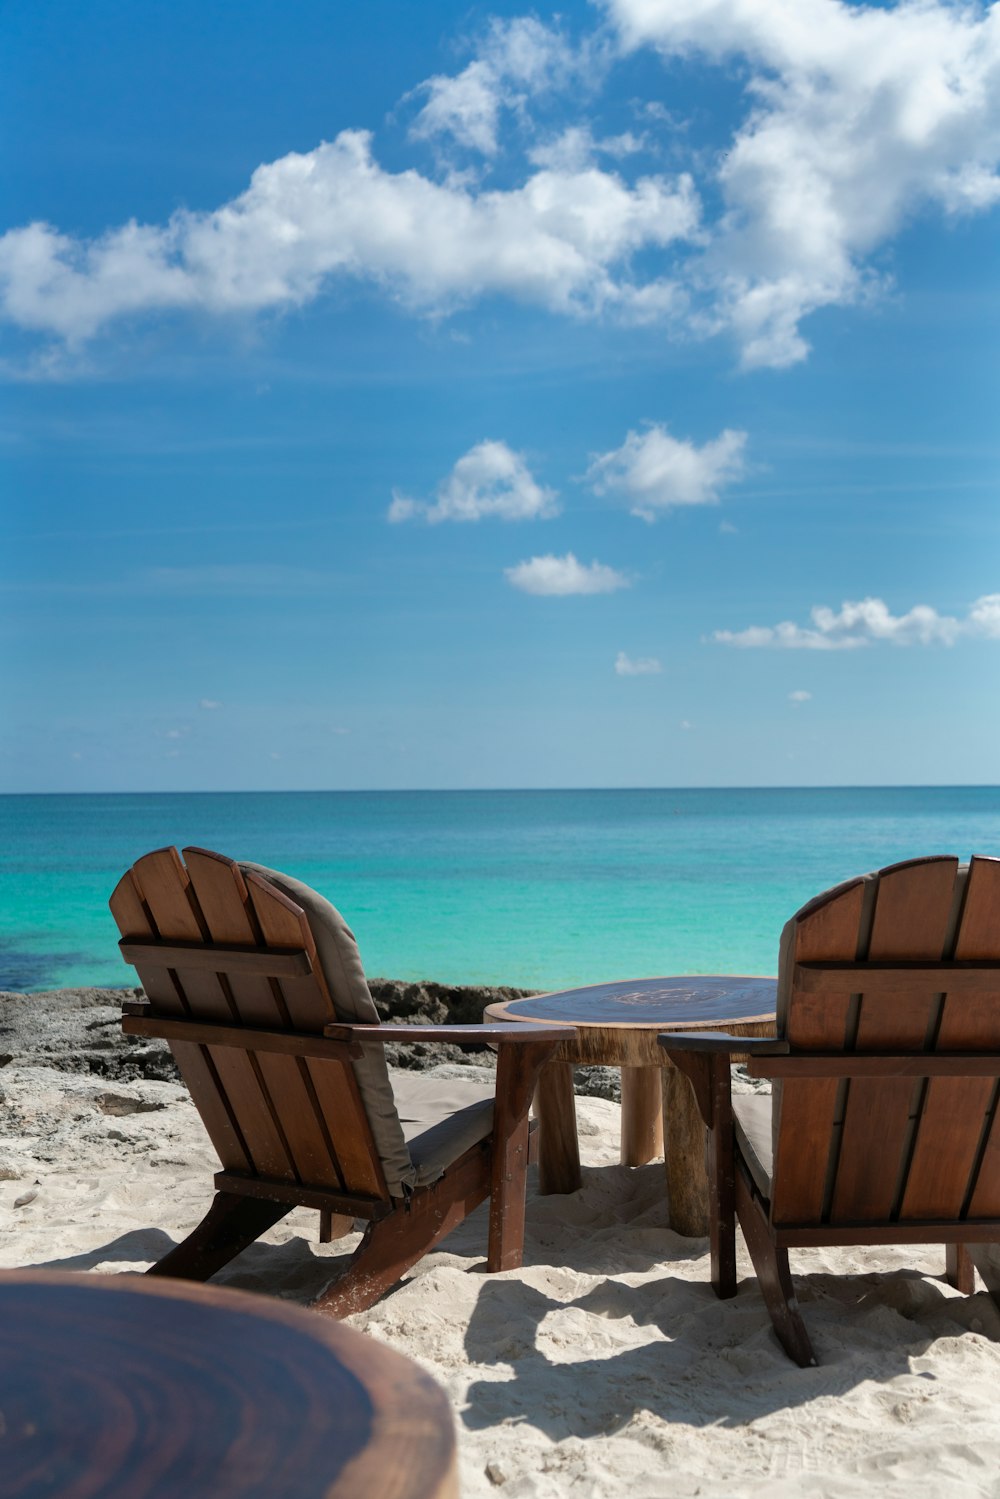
(119, 1387)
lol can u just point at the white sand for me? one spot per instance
(605, 1366)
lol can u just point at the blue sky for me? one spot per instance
(454, 396)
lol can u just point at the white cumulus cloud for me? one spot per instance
(868, 622)
(984, 616)
(561, 576)
(563, 239)
(641, 666)
(655, 471)
(490, 479)
(859, 117)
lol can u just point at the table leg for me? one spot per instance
(684, 1141)
(642, 1115)
(558, 1147)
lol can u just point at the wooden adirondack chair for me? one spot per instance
(257, 984)
(882, 1126)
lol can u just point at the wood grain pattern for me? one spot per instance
(642, 1115)
(805, 1112)
(558, 1146)
(126, 1387)
(167, 891)
(518, 1068)
(258, 1001)
(684, 1157)
(912, 912)
(194, 1063)
(979, 937)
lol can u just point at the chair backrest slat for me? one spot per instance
(913, 906)
(193, 1062)
(258, 1001)
(976, 1023)
(805, 1112)
(172, 902)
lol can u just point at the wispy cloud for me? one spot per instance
(654, 471)
(249, 579)
(800, 695)
(868, 622)
(518, 60)
(237, 578)
(209, 704)
(641, 666)
(489, 480)
(561, 576)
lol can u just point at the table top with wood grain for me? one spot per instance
(675, 1003)
(124, 1387)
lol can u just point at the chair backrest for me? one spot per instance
(887, 1149)
(323, 1123)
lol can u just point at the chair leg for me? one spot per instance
(960, 1270)
(334, 1226)
(986, 1259)
(392, 1245)
(509, 1161)
(231, 1223)
(771, 1264)
(720, 1162)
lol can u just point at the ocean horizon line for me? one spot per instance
(516, 790)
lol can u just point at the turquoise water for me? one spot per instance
(544, 889)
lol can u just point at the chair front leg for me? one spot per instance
(518, 1067)
(720, 1152)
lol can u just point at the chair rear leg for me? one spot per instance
(986, 1259)
(334, 1226)
(771, 1264)
(231, 1223)
(393, 1245)
(960, 1270)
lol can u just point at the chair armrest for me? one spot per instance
(712, 1042)
(455, 1035)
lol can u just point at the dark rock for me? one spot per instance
(598, 1082)
(79, 1030)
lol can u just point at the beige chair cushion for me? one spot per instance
(752, 1128)
(340, 961)
(441, 1119)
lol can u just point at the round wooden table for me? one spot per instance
(617, 1025)
(123, 1387)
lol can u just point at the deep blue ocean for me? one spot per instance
(543, 889)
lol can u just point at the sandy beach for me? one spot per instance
(604, 1365)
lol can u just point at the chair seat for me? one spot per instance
(441, 1119)
(752, 1128)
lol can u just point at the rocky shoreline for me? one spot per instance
(79, 1031)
